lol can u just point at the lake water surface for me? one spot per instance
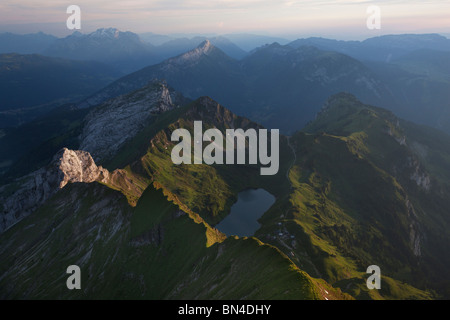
(243, 218)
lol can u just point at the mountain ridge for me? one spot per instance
(101, 224)
(255, 87)
(327, 223)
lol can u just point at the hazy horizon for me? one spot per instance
(206, 35)
(338, 19)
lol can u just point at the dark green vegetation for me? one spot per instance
(33, 84)
(207, 190)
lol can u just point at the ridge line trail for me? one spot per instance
(295, 158)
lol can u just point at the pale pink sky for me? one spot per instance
(345, 19)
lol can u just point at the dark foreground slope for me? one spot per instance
(153, 251)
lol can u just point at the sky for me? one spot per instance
(340, 19)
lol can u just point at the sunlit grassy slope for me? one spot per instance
(152, 251)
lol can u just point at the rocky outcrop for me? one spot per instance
(108, 127)
(27, 194)
(415, 235)
(114, 122)
(78, 166)
(419, 175)
(192, 56)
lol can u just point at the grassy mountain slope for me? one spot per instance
(159, 247)
(153, 251)
(362, 196)
(207, 190)
(313, 220)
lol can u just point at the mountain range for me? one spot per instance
(297, 81)
(126, 51)
(26, 43)
(358, 186)
(420, 81)
(149, 48)
(383, 48)
(272, 78)
(403, 73)
(87, 177)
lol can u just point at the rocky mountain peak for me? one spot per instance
(206, 107)
(341, 99)
(77, 166)
(76, 34)
(272, 49)
(204, 49)
(205, 46)
(67, 166)
(215, 114)
(105, 33)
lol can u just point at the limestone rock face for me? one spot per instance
(419, 175)
(191, 57)
(78, 166)
(27, 194)
(114, 122)
(107, 128)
